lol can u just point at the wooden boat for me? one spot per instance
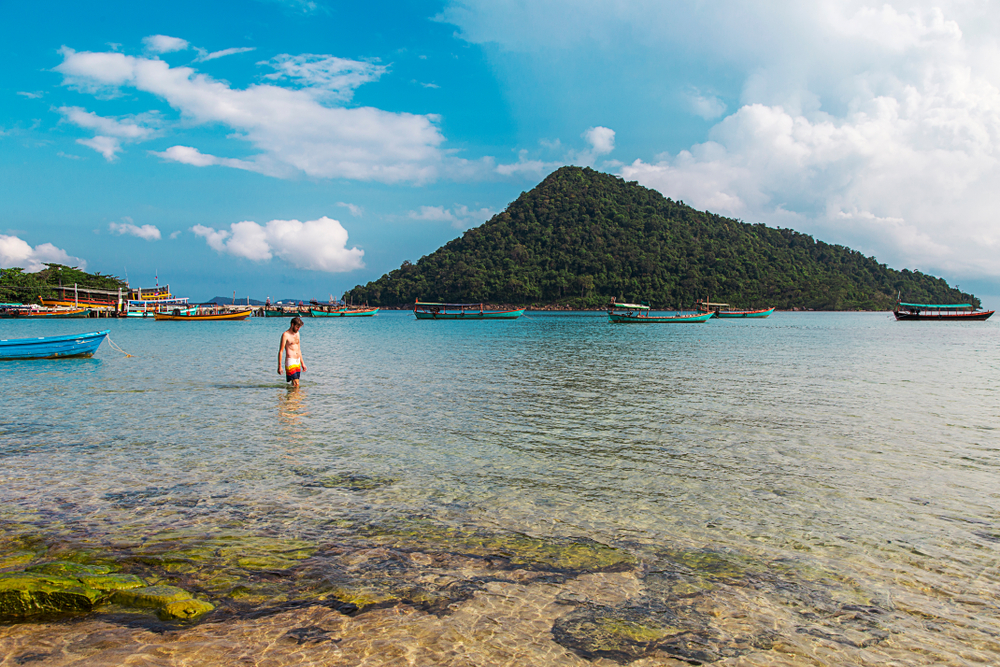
(424, 310)
(29, 313)
(52, 347)
(955, 312)
(344, 312)
(638, 313)
(763, 312)
(178, 316)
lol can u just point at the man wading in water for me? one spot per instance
(294, 364)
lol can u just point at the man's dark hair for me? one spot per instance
(297, 321)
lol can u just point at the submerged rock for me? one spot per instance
(24, 594)
(184, 609)
(155, 597)
(112, 582)
(67, 568)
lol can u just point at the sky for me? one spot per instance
(297, 148)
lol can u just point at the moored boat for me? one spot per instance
(732, 314)
(344, 312)
(177, 315)
(52, 347)
(954, 312)
(33, 312)
(638, 313)
(424, 310)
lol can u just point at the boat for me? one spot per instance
(638, 313)
(344, 312)
(725, 311)
(33, 312)
(52, 347)
(953, 312)
(177, 315)
(761, 313)
(424, 310)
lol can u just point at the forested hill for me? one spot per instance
(581, 237)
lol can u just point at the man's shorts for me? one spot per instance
(292, 370)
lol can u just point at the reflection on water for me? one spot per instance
(806, 489)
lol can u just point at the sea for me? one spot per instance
(808, 489)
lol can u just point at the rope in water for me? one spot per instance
(115, 347)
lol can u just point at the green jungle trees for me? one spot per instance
(581, 237)
(17, 286)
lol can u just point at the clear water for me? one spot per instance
(842, 468)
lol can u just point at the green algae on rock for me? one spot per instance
(67, 568)
(555, 554)
(184, 609)
(112, 582)
(25, 594)
(156, 597)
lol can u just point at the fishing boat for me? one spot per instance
(34, 312)
(424, 310)
(177, 315)
(638, 313)
(954, 312)
(344, 312)
(52, 347)
(761, 313)
(725, 311)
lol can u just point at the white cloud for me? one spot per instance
(527, 166)
(147, 232)
(292, 130)
(328, 76)
(460, 217)
(876, 125)
(15, 252)
(164, 44)
(174, 235)
(204, 54)
(261, 164)
(111, 132)
(30, 96)
(602, 142)
(316, 245)
(708, 107)
(355, 210)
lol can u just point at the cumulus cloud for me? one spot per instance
(292, 129)
(147, 232)
(871, 124)
(15, 252)
(164, 44)
(316, 245)
(111, 132)
(460, 217)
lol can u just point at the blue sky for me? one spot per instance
(290, 148)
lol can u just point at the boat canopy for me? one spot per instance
(629, 306)
(452, 305)
(952, 306)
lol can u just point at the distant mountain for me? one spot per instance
(581, 237)
(228, 301)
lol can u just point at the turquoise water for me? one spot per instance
(811, 488)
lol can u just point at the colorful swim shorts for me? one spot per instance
(292, 370)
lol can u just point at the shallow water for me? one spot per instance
(813, 488)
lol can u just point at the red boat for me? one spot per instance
(955, 312)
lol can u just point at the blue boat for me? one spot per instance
(52, 347)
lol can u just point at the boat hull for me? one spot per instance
(81, 312)
(949, 317)
(367, 312)
(621, 318)
(739, 314)
(52, 347)
(235, 316)
(471, 315)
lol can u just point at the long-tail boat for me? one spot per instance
(34, 313)
(424, 310)
(344, 312)
(52, 347)
(178, 316)
(954, 312)
(725, 311)
(638, 313)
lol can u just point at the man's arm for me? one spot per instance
(302, 359)
(281, 348)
